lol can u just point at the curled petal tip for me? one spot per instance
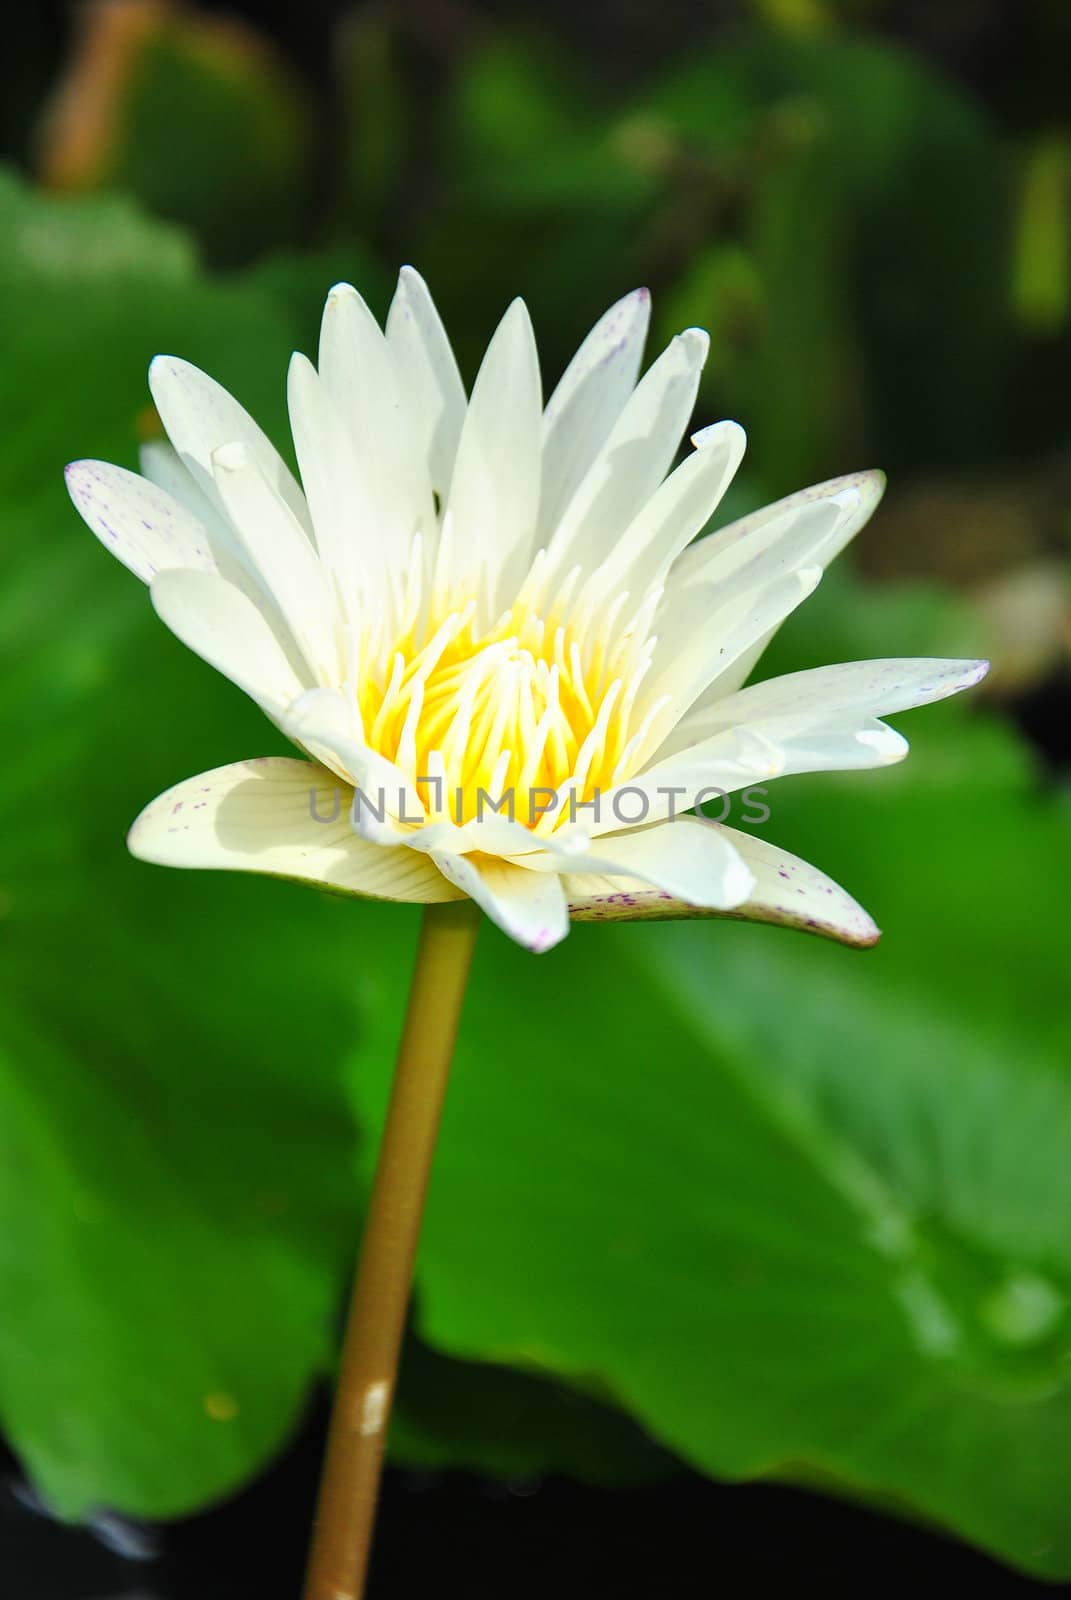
(231, 457)
(717, 432)
(339, 294)
(698, 337)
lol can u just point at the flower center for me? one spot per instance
(530, 720)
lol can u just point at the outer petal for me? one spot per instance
(141, 524)
(228, 631)
(823, 719)
(285, 818)
(691, 860)
(722, 587)
(494, 497)
(161, 463)
(674, 514)
(812, 526)
(342, 500)
(432, 390)
(787, 892)
(489, 836)
(200, 415)
(757, 752)
(815, 523)
(634, 459)
(588, 401)
(357, 370)
(327, 724)
(277, 552)
(700, 642)
(874, 688)
(528, 906)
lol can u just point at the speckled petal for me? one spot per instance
(788, 892)
(284, 818)
(146, 528)
(822, 694)
(824, 719)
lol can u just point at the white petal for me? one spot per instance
(877, 688)
(739, 670)
(717, 611)
(787, 892)
(794, 894)
(358, 373)
(145, 527)
(835, 704)
(706, 631)
(634, 459)
(342, 504)
(355, 362)
(282, 817)
(200, 415)
(811, 526)
(851, 744)
(588, 401)
(489, 835)
(278, 553)
(674, 514)
(327, 723)
(161, 463)
(772, 748)
(433, 394)
(494, 498)
(808, 528)
(691, 860)
(228, 631)
(528, 906)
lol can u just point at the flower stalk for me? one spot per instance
(345, 1515)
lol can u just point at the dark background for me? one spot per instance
(453, 1534)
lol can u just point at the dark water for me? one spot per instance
(454, 1535)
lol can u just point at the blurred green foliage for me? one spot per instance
(195, 117)
(793, 1211)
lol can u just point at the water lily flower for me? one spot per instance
(493, 629)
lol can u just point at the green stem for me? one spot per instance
(342, 1533)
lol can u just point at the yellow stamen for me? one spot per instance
(535, 703)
